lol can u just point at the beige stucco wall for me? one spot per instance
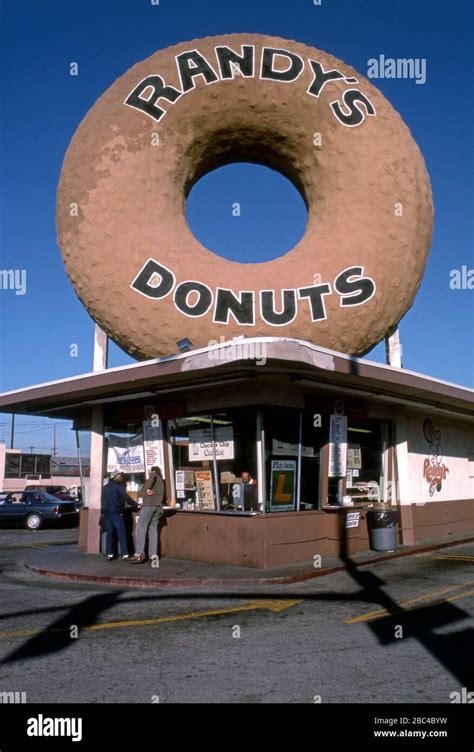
(451, 455)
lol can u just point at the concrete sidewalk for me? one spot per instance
(70, 563)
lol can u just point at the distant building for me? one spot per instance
(19, 469)
(68, 466)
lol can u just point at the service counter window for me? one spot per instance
(214, 460)
(357, 462)
(365, 460)
(294, 440)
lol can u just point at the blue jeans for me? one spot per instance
(148, 522)
(115, 523)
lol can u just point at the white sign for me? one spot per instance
(282, 448)
(337, 446)
(201, 446)
(179, 484)
(184, 480)
(153, 446)
(354, 457)
(352, 519)
(125, 459)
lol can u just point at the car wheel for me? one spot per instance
(33, 521)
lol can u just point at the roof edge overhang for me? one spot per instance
(240, 360)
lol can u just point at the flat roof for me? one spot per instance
(239, 359)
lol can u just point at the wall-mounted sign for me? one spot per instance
(337, 446)
(434, 469)
(352, 519)
(201, 446)
(205, 491)
(283, 449)
(282, 485)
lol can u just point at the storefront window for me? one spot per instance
(293, 451)
(215, 461)
(365, 451)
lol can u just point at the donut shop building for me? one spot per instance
(323, 435)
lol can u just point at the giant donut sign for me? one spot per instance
(188, 109)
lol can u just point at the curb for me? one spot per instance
(213, 581)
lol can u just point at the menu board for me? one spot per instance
(153, 446)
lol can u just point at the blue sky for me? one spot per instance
(42, 106)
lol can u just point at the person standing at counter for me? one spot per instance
(250, 492)
(150, 513)
(114, 501)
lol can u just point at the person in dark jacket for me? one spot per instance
(250, 492)
(114, 501)
(150, 513)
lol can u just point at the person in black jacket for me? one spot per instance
(114, 501)
(250, 492)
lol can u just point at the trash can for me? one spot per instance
(382, 524)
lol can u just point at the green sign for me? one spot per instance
(282, 485)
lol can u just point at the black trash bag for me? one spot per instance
(382, 518)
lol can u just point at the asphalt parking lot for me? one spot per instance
(394, 632)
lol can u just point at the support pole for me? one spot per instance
(393, 349)
(261, 462)
(96, 480)
(101, 349)
(97, 449)
(81, 474)
(298, 471)
(214, 462)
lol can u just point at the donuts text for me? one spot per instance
(196, 299)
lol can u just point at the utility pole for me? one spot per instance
(31, 449)
(55, 449)
(12, 437)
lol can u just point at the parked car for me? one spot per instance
(33, 509)
(60, 492)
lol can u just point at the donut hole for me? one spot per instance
(246, 212)
(244, 198)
